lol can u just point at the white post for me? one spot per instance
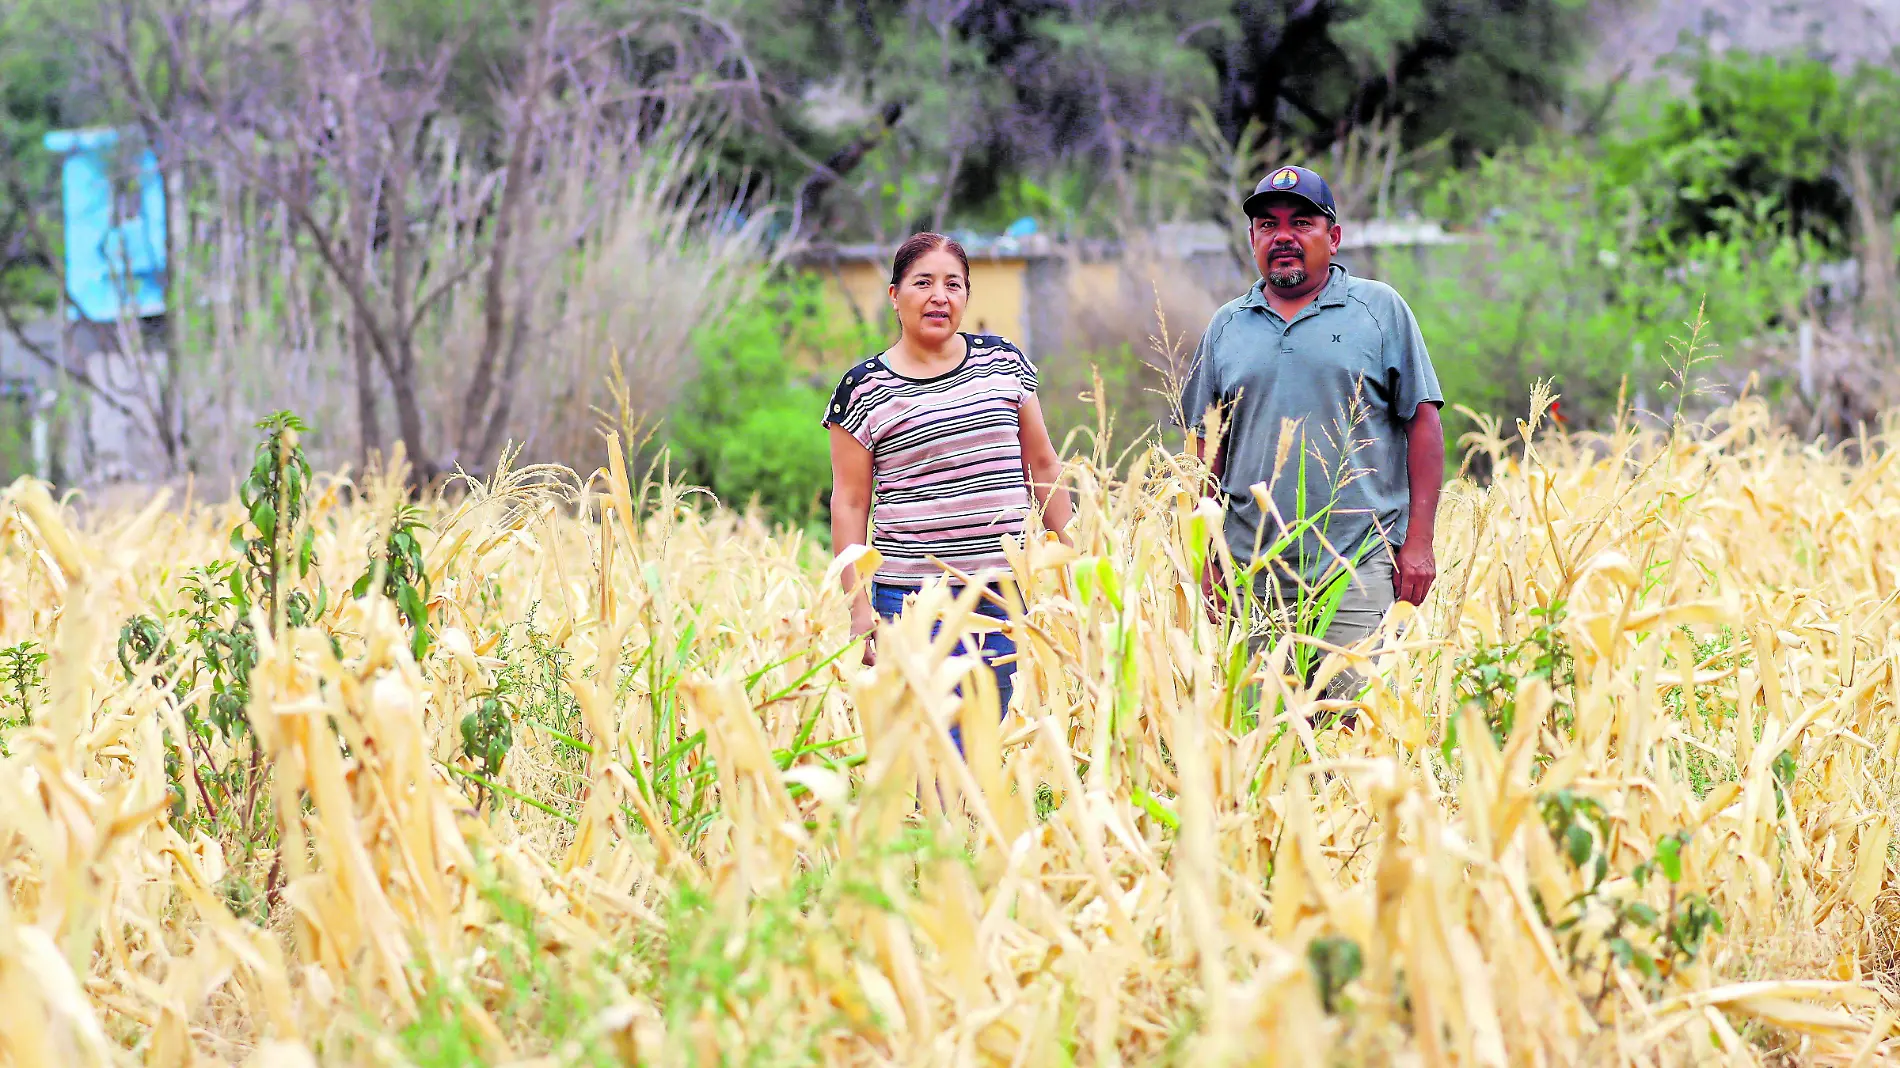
(1640, 403)
(43, 435)
(1805, 366)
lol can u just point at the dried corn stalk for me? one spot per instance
(1132, 868)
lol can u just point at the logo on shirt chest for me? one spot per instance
(1312, 361)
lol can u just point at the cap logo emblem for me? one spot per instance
(1284, 178)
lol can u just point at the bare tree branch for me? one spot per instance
(54, 363)
(527, 99)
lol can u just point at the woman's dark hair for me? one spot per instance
(914, 248)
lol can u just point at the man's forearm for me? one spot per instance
(1211, 572)
(1425, 470)
(1215, 466)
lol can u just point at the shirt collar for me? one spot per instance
(1333, 295)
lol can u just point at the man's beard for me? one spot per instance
(1287, 277)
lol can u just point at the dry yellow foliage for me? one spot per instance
(1130, 870)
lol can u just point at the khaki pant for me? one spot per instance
(1362, 606)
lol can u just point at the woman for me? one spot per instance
(938, 432)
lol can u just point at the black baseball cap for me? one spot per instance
(1292, 182)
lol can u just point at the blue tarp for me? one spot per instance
(115, 230)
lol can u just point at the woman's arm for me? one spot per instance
(1045, 468)
(851, 521)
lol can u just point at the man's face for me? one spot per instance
(1293, 243)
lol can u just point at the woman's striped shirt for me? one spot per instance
(946, 459)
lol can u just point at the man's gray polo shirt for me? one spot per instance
(1344, 378)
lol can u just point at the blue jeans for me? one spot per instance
(888, 601)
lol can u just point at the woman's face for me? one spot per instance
(930, 299)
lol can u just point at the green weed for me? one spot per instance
(404, 577)
(1489, 679)
(1656, 942)
(220, 756)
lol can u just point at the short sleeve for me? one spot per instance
(1408, 366)
(1026, 372)
(849, 409)
(1200, 391)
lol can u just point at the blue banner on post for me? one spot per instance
(114, 204)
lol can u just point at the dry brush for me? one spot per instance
(1622, 791)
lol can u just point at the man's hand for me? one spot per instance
(864, 622)
(1412, 575)
(1211, 588)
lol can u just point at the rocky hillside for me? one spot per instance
(1635, 34)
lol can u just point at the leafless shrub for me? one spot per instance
(358, 244)
(1834, 386)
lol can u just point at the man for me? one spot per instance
(1327, 397)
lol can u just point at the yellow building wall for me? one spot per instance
(996, 299)
(864, 285)
(996, 294)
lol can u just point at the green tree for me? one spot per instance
(1753, 135)
(1871, 132)
(1783, 141)
(1481, 73)
(748, 426)
(886, 115)
(1566, 278)
(37, 94)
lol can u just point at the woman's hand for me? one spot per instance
(864, 624)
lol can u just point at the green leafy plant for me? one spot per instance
(1567, 273)
(1336, 960)
(218, 626)
(532, 688)
(22, 684)
(142, 641)
(220, 651)
(746, 428)
(487, 735)
(220, 754)
(405, 577)
(1488, 678)
(1751, 130)
(22, 670)
(275, 495)
(1656, 942)
(1578, 824)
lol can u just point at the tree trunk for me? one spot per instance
(476, 412)
(176, 281)
(950, 172)
(1880, 305)
(369, 429)
(493, 437)
(402, 388)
